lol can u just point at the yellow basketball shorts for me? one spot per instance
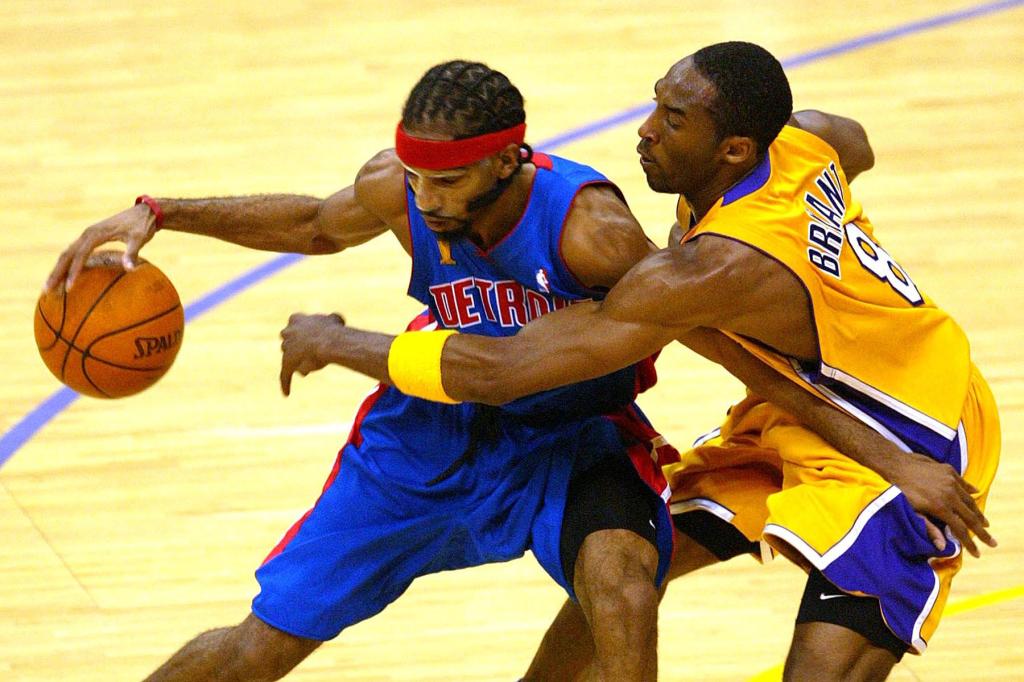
(779, 483)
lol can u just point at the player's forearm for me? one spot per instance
(471, 369)
(574, 344)
(361, 351)
(479, 369)
(470, 366)
(849, 436)
(578, 343)
(270, 222)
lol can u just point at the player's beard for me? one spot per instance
(459, 232)
(478, 202)
(492, 195)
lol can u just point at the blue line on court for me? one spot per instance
(240, 284)
(799, 60)
(900, 31)
(33, 421)
(29, 425)
(597, 126)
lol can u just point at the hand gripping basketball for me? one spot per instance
(134, 226)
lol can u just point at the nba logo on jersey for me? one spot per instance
(542, 281)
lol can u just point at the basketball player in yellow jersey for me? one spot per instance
(775, 253)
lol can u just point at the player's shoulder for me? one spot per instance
(602, 239)
(382, 172)
(730, 264)
(710, 280)
(599, 215)
(736, 278)
(380, 185)
(837, 136)
(723, 251)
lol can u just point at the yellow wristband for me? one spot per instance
(414, 364)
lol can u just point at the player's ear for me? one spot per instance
(738, 149)
(507, 160)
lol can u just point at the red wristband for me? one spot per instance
(153, 206)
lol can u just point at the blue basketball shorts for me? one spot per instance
(378, 525)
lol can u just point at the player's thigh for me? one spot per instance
(855, 627)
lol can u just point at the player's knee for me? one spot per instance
(637, 598)
(616, 571)
(633, 604)
(263, 652)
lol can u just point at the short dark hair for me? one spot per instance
(753, 96)
(472, 98)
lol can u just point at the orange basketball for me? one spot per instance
(115, 333)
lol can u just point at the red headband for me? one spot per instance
(443, 154)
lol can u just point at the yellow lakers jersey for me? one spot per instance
(888, 355)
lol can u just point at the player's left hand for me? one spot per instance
(305, 343)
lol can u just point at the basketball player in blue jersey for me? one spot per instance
(774, 255)
(498, 236)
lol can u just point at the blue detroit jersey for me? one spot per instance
(497, 291)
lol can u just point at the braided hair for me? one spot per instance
(469, 98)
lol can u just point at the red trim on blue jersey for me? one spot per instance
(631, 424)
(647, 450)
(421, 321)
(354, 438)
(292, 532)
(646, 373)
(646, 468)
(541, 160)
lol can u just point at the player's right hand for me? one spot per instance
(935, 490)
(134, 226)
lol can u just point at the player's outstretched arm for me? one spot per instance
(844, 135)
(272, 222)
(551, 351)
(663, 297)
(933, 489)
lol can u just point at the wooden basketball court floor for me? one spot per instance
(128, 526)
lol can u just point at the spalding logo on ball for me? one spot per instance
(115, 333)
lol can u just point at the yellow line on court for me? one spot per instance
(774, 674)
(983, 600)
